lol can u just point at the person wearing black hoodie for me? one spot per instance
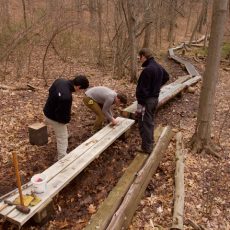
(57, 109)
(152, 78)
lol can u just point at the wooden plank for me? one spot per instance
(181, 79)
(106, 210)
(72, 170)
(108, 207)
(192, 81)
(167, 92)
(178, 211)
(123, 215)
(61, 164)
(191, 69)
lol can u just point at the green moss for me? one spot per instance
(225, 53)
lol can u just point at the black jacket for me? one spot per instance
(150, 81)
(59, 102)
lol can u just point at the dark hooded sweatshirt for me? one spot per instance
(59, 102)
(150, 81)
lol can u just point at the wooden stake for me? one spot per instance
(15, 161)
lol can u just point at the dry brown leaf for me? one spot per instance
(91, 209)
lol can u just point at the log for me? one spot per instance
(178, 212)
(124, 214)
(164, 97)
(18, 88)
(106, 210)
(167, 93)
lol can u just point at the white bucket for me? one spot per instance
(39, 183)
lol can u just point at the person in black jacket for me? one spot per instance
(152, 77)
(57, 109)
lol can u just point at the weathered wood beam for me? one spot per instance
(124, 214)
(167, 93)
(106, 210)
(178, 212)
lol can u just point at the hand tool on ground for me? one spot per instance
(20, 207)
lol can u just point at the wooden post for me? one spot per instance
(42, 216)
(38, 134)
(178, 212)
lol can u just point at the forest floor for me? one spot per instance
(207, 199)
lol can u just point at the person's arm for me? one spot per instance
(106, 109)
(143, 87)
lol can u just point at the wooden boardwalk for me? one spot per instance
(169, 91)
(66, 169)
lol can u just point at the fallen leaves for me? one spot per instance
(91, 209)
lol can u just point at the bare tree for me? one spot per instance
(189, 17)
(93, 13)
(200, 20)
(99, 12)
(172, 20)
(4, 15)
(148, 22)
(78, 5)
(24, 13)
(131, 24)
(202, 138)
(157, 22)
(203, 19)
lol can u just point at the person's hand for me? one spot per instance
(114, 122)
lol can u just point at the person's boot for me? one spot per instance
(141, 150)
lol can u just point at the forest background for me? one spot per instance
(42, 40)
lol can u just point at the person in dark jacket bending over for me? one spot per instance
(57, 109)
(152, 77)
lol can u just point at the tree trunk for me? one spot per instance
(99, 12)
(4, 14)
(172, 21)
(78, 5)
(24, 13)
(189, 18)
(148, 24)
(203, 15)
(120, 49)
(93, 15)
(157, 34)
(201, 139)
(132, 40)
